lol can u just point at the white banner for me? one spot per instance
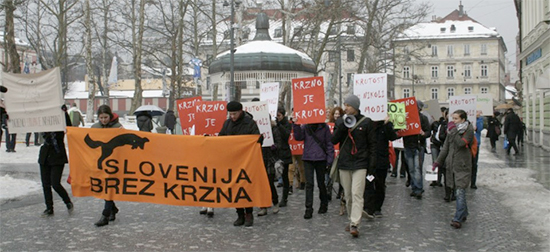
(34, 101)
(259, 111)
(485, 104)
(269, 92)
(466, 103)
(433, 109)
(372, 91)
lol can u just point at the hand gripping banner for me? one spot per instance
(127, 165)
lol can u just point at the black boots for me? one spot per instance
(283, 203)
(70, 207)
(248, 220)
(323, 209)
(239, 221)
(47, 212)
(104, 220)
(112, 216)
(309, 213)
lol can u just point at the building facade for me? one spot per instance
(534, 57)
(447, 57)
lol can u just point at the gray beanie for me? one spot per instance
(353, 101)
(420, 105)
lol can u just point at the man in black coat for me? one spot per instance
(170, 121)
(240, 123)
(512, 127)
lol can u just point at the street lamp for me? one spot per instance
(232, 49)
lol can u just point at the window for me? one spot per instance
(450, 50)
(484, 90)
(442, 29)
(350, 79)
(450, 72)
(406, 93)
(483, 49)
(351, 55)
(467, 71)
(466, 50)
(450, 92)
(333, 31)
(434, 93)
(332, 56)
(470, 29)
(467, 90)
(351, 29)
(453, 28)
(406, 72)
(484, 71)
(435, 70)
(278, 33)
(434, 51)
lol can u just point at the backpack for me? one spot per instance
(473, 147)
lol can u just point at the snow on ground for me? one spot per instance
(11, 188)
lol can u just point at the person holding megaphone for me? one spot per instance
(353, 132)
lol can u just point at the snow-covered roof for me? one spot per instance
(265, 46)
(447, 30)
(18, 41)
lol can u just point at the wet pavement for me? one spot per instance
(408, 224)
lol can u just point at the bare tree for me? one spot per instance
(88, 57)
(13, 63)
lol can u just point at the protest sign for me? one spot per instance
(308, 96)
(210, 116)
(485, 104)
(433, 109)
(260, 113)
(467, 103)
(372, 91)
(269, 92)
(413, 119)
(186, 111)
(397, 114)
(34, 102)
(127, 165)
(296, 147)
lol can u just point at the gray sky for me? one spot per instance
(490, 13)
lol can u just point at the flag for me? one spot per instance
(113, 72)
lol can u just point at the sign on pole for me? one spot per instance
(467, 103)
(413, 119)
(269, 92)
(186, 112)
(372, 91)
(210, 116)
(308, 95)
(259, 111)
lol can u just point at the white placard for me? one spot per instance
(398, 144)
(269, 92)
(34, 101)
(372, 90)
(466, 103)
(433, 109)
(259, 111)
(485, 104)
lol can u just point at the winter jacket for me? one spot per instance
(282, 132)
(362, 140)
(479, 128)
(383, 133)
(53, 152)
(170, 120)
(492, 123)
(512, 125)
(244, 125)
(415, 141)
(112, 124)
(76, 117)
(144, 122)
(312, 149)
(457, 157)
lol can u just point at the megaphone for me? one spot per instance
(349, 120)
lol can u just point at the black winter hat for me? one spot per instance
(233, 106)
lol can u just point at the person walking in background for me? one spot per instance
(2, 113)
(335, 113)
(170, 121)
(318, 153)
(241, 123)
(282, 134)
(375, 190)
(356, 150)
(415, 146)
(107, 119)
(478, 127)
(522, 133)
(436, 142)
(10, 138)
(76, 116)
(512, 127)
(458, 159)
(52, 159)
(493, 129)
(144, 121)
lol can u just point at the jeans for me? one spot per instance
(414, 158)
(375, 192)
(461, 207)
(319, 168)
(51, 177)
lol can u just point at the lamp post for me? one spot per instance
(232, 49)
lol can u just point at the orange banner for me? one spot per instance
(126, 165)
(186, 111)
(308, 95)
(210, 117)
(413, 119)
